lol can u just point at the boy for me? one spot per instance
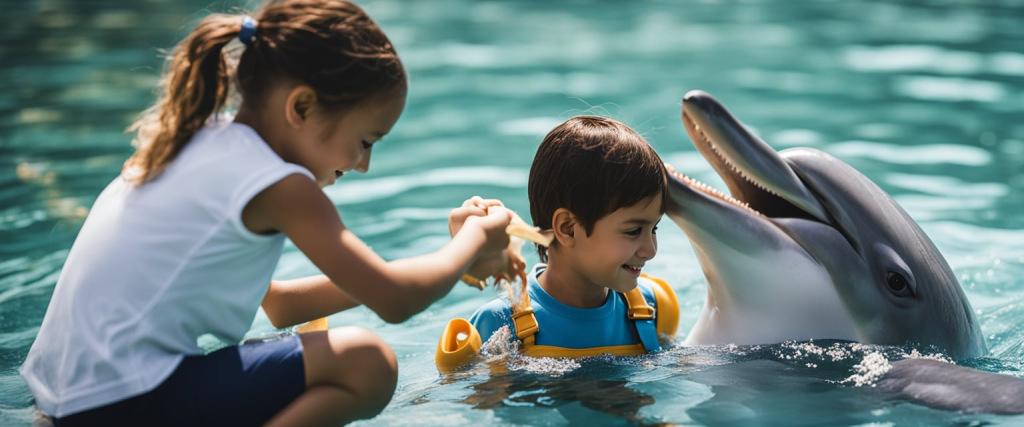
(600, 187)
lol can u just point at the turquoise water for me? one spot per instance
(924, 97)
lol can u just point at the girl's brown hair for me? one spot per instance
(592, 166)
(331, 45)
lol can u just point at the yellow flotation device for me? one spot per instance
(313, 326)
(460, 342)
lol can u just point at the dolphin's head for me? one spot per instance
(828, 251)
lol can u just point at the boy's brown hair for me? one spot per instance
(592, 166)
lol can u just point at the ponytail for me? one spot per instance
(331, 45)
(196, 85)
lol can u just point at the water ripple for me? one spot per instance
(950, 89)
(920, 154)
(366, 190)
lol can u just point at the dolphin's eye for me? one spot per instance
(897, 283)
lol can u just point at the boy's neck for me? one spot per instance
(568, 287)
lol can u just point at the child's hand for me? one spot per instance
(493, 224)
(475, 206)
(493, 218)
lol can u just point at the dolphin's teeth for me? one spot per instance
(713, 191)
(709, 190)
(735, 169)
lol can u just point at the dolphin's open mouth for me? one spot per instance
(758, 246)
(702, 187)
(760, 181)
(694, 129)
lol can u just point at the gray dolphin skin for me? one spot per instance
(808, 248)
(944, 386)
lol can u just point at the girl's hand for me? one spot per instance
(491, 216)
(493, 226)
(474, 206)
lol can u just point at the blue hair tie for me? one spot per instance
(248, 33)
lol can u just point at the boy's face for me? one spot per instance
(621, 243)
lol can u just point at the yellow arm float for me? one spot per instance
(459, 344)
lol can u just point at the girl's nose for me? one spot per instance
(364, 165)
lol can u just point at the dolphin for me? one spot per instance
(805, 247)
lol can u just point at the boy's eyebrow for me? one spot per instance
(640, 221)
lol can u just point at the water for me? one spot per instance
(924, 97)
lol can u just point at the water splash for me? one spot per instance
(876, 364)
(869, 370)
(516, 289)
(503, 349)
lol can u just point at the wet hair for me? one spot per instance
(330, 45)
(592, 166)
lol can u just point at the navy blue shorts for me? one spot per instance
(237, 386)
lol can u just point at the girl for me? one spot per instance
(185, 241)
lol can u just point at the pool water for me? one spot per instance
(924, 97)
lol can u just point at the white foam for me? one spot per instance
(869, 370)
(501, 348)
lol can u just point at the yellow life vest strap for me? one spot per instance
(553, 351)
(525, 323)
(668, 306)
(638, 308)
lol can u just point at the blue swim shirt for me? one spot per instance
(564, 326)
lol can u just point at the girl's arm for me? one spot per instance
(290, 302)
(394, 290)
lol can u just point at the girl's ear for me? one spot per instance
(298, 104)
(563, 223)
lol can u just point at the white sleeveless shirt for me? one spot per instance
(153, 268)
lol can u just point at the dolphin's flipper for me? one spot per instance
(951, 387)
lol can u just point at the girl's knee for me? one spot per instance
(354, 361)
(369, 365)
(365, 345)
